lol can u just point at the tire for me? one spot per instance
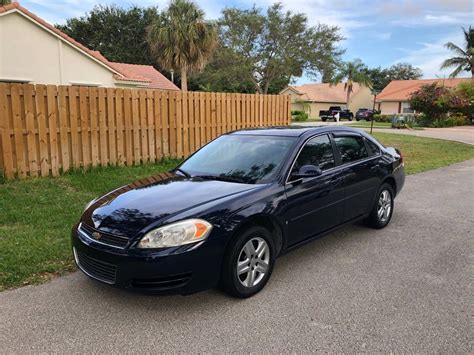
(351, 118)
(357, 119)
(380, 216)
(248, 242)
(323, 119)
(335, 119)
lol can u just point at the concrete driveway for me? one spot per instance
(405, 289)
(463, 134)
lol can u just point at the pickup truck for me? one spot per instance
(333, 110)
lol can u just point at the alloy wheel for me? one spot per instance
(384, 206)
(253, 262)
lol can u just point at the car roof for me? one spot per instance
(293, 131)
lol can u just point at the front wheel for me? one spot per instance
(382, 211)
(323, 119)
(248, 263)
(351, 118)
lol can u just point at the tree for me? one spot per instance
(269, 49)
(119, 34)
(5, 2)
(352, 72)
(464, 58)
(181, 39)
(380, 78)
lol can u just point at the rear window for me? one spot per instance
(372, 147)
(351, 148)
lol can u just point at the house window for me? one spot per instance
(406, 108)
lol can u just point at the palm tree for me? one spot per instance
(464, 59)
(352, 72)
(181, 39)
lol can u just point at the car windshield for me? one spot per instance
(241, 158)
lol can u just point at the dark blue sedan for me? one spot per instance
(226, 213)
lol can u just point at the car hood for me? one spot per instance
(131, 208)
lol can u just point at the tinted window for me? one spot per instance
(373, 148)
(317, 151)
(249, 159)
(351, 148)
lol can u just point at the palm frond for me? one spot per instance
(452, 47)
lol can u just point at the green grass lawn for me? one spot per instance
(366, 124)
(36, 214)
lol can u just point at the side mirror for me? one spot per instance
(307, 171)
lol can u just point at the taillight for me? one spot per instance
(401, 156)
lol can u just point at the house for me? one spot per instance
(321, 96)
(33, 51)
(394, 97)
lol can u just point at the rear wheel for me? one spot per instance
(324, 119)
(248, 263)
(382, 211)
(351, 117)
(357, 119)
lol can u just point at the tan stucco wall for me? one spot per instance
(362, 99)
(30, 53)
(389, 107)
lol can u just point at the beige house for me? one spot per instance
(394, 97)
(33, 51)
(321, 96)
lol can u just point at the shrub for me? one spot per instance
(299, 116)
(378, 117)
(437, 102)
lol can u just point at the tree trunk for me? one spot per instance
(348, 97)
(184, 78)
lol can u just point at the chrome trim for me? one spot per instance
(86, 236)
(76, 259)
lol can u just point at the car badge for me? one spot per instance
(96, 235)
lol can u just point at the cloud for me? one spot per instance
(382, 36)
(429, 56)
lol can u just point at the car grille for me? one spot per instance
(105, 238)
(94, 268)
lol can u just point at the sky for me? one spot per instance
(380, 33)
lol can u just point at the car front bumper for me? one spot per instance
(181, 270)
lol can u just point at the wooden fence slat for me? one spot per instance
(28, 100)
(73, 117)
(192, 124)
(150, 124)
(16, 96)
(94, 115)
(119, 126)
(111, 127)
(179, 124)
(185, 124)
(41, 116)
(103, 153)
(85, 124)
(5, 128)
(143, 125)
(165, 122)
(52, 102)
(128, 120)
(158, 124)
(136, 127)
(172, 122)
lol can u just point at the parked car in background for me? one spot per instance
(365, 114)
(226, 213)
(333, 111)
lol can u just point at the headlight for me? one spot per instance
(88, 205)
(175, 234)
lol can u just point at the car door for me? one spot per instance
(360, 173)
(314, 204)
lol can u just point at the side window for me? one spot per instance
(373, 148)
(351, 148)
(317, 151)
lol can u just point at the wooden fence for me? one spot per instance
(46, 129)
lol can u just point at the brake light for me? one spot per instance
(401, 157)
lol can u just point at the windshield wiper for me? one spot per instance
(220, 178)
(183, 172)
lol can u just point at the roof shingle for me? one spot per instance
(324, 92)
(400, 90)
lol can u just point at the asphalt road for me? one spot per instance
(405, 289)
